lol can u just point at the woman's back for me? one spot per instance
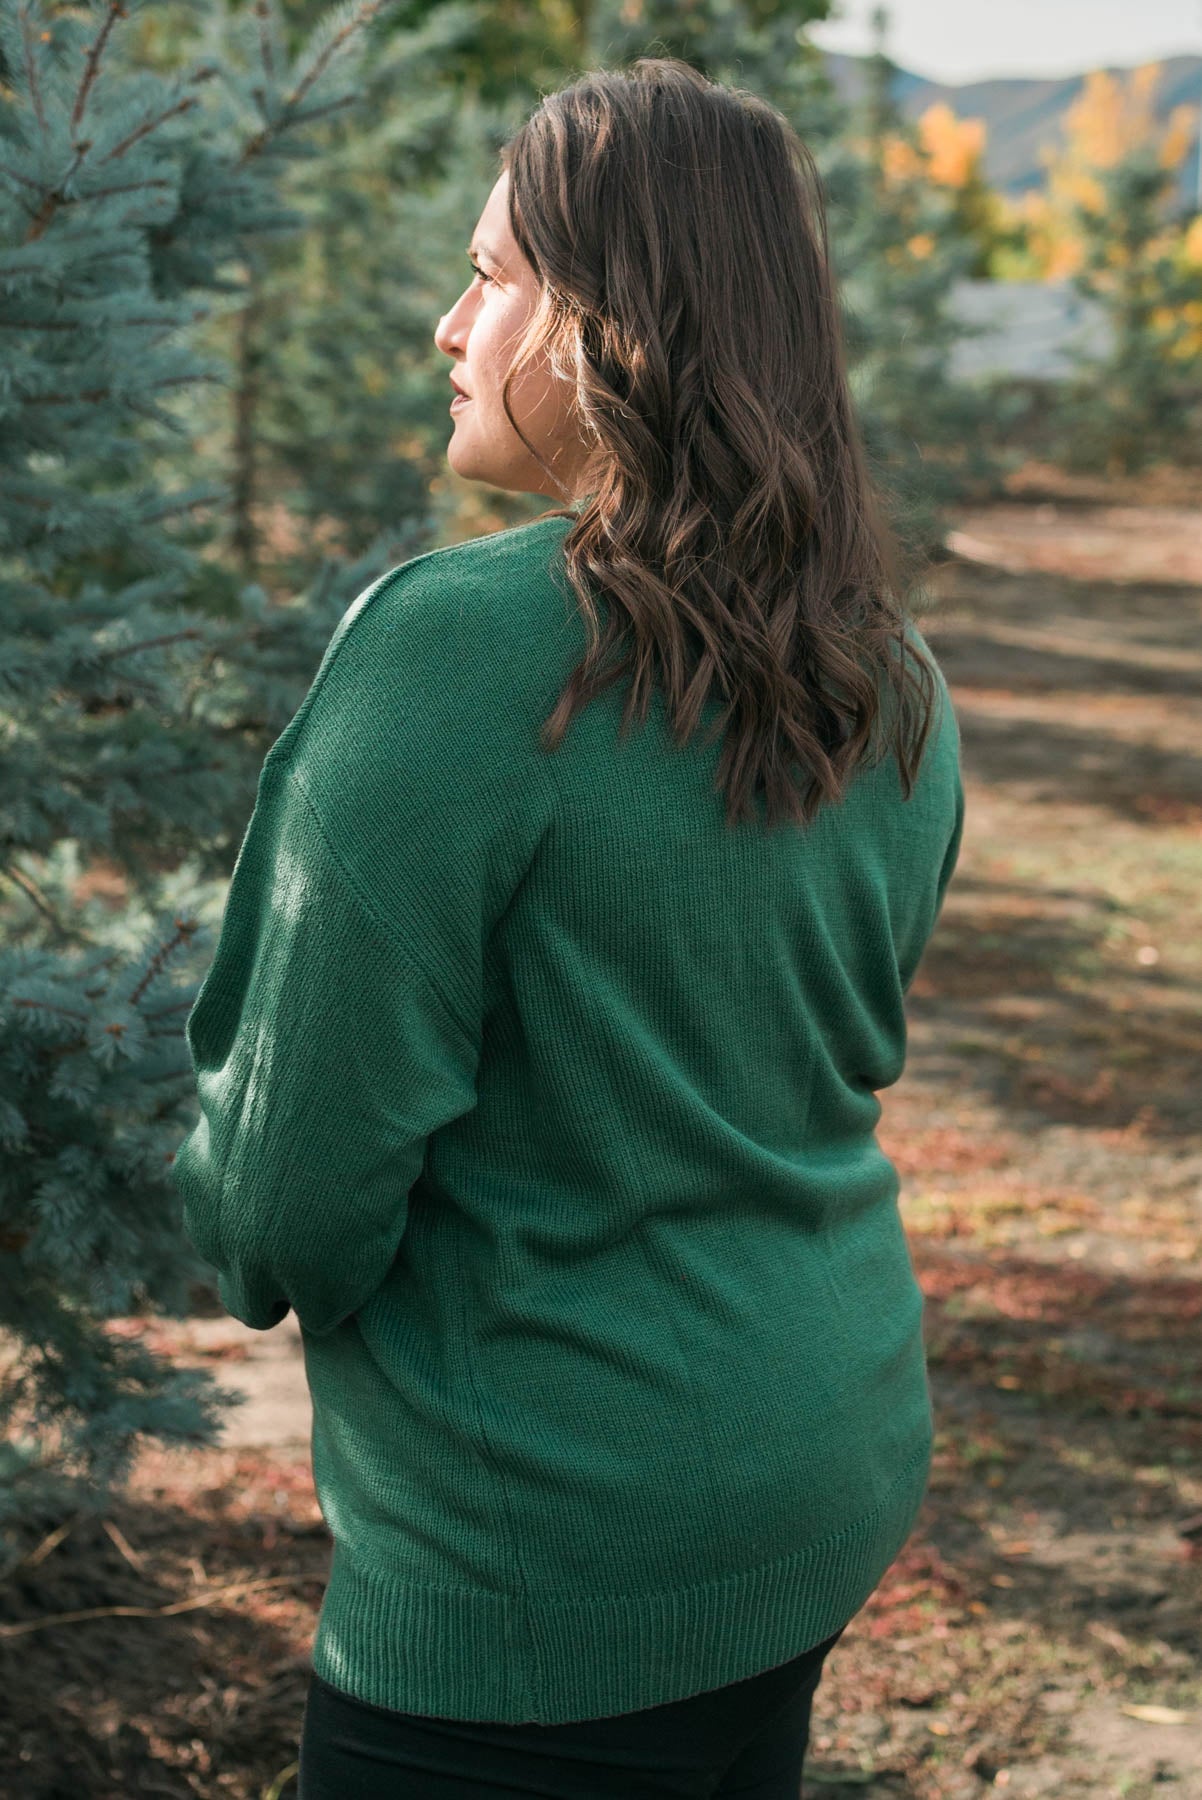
(558, 1134)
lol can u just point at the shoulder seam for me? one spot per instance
(281, 750)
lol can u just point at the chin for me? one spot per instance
(462, 461)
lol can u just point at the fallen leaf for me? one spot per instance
(1157, 1715)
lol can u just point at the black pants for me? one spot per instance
(747, 1739)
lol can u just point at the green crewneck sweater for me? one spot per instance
(546, 1100)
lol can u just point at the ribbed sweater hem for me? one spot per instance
(550, 1658)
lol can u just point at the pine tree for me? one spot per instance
(132, 721)
(953, 149)
(902, 237)
(336, 430)
(349, 409)
(1112, 193)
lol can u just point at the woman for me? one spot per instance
(538, 1065)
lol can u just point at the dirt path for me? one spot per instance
(266, 1367)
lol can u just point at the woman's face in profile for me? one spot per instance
(480, 334)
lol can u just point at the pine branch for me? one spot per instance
(98, 394)
(190, 633)
(185, 931)
(116, 11)
(16, 175)
(171, 507)
(149, 125)
(255, 145)
(114, 324)
(266, 37)
(127, 187)
(56, 196)
(60, 1012)
(35, 93)
(30, 888)
(320, 112)
(167, 1012)
(145, 409)
(353, 21)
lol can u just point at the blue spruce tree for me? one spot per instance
(131, 728)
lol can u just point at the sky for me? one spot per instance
(972, 40)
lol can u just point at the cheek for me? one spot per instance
(495, 338)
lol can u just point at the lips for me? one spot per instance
(463, 395)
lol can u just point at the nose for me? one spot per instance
(448, 332)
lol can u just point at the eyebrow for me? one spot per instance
(486, 250)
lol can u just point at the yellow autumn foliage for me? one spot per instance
(1178, 135)
(948, 152)
(953, 146)
(1057, 254)
(900, 162)
(1109, 119)
(1183, 326)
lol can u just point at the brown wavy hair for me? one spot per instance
(678, 230)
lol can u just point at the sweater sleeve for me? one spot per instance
(324, 1057)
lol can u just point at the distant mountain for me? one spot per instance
(1021, 115)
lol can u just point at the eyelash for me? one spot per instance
(477, 271)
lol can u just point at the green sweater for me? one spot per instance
(546, 1101)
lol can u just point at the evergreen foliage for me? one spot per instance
(128, 196)
(1142, 402)
(900, 241)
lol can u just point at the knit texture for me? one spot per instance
(547, 1100)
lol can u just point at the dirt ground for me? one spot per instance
(1041, 1633)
